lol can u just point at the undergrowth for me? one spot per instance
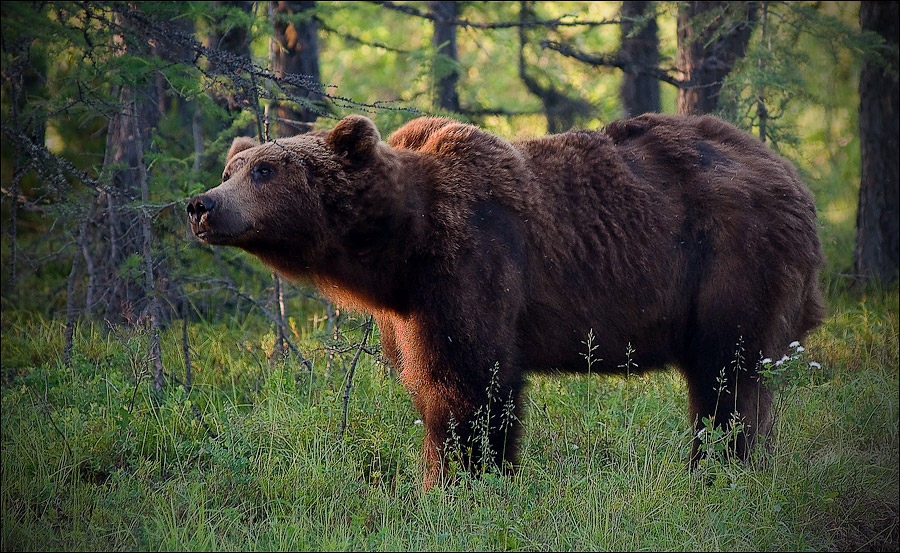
(251, 457)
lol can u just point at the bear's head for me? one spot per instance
(291, 199)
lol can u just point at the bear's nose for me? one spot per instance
(199, 206)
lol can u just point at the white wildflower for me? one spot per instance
(418, 422)
(766, 361)
(800, 349)
(794, 344)
(814, 365)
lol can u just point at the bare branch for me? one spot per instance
(529, 23)
(499, 111)
(20, 199)
(50, 167)
(351, 370)
(355, 39)
(186, 347)
(611, 60)
(234, 289)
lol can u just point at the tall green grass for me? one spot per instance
(91, 459)
(252, 458)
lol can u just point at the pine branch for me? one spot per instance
(247, 76)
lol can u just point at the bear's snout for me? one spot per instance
(199, 210)
(198, 207)
(213, 218)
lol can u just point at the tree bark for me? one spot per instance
(640, 46)
(280, 346)
(444, 41)
(124, 169)
(712, 36)
(877, 238)
(295, 50)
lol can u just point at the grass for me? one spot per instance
(92, 460)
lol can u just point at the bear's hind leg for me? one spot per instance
(724, 388)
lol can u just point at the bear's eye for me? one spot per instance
(226, 177)
(262, 172)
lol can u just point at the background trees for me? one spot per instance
(114, 114)
(877, 251)
(160, 394)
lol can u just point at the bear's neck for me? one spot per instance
(368, 255)
(372, 265)
(364, 290)
(351, 279)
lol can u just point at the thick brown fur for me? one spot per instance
(681, 239)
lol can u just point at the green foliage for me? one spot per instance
(803, 64)
(115, 469)
(251, 456)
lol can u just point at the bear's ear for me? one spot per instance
(354, 138)
(240, 144)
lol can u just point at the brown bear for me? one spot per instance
(674, 240)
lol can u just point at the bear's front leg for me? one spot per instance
(463, 436)
(469, 404)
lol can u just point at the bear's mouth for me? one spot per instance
(217, 232)
(213, 238)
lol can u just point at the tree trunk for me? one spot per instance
(446, 72)
(712, 36)
(295, 50)
(150, 291)
(640, 46)
(877, 237)
(120, 240)
(18, 173)
(70, 304)
(123, 164)
(26, 78)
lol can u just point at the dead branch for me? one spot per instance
(613, 60)
(70, 309)
(356, 40)
(528, 23)
(351, 370)
(271, 316)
